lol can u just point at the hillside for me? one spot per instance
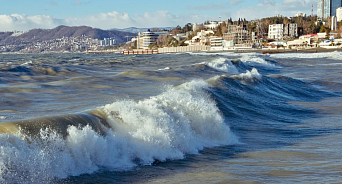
(60, 32)
(137, 30)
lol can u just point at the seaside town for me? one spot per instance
(301, 31)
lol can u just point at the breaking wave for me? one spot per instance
(181, 120)
(222, 64)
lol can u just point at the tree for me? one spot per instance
(322, 29)
(187, 28)
(327, 34)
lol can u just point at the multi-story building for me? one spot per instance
(238, 34)
(327, 8)
(290, 31)
(108, 42)
(339, 14)
(216, 41)
(334, 5)
(320, 9)
(282, 31)
(333, 25)
(145, 39)
(276, 31)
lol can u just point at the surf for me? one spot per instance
(118, 136)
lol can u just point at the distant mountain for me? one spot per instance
(137, 30)
(60, 32)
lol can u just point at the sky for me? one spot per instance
(23, 15)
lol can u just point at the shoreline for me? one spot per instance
(263, 51)
(280, 51)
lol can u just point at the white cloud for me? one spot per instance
(269, 8)
(108, 20)
(221, 6)
(23, 22)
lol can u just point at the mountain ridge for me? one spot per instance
(35, 35)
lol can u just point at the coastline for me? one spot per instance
(276, 51)
(263, 51)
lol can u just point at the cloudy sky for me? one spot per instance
(23, 15)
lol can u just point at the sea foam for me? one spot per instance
(252, 75)
(329, 55)
(182, 120)
(222, 64)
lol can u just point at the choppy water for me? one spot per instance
(173, 118)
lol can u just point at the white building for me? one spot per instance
(282, 31)
(108, 42)
(300, 14)
(145, 39)
(333, 23)
(212, 25)
(216, 42)
(339, 14)
(200, 38)
(196, 26)
(276, 31)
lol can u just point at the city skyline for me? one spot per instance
(107, 14)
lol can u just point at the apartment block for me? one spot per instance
(339, 14)
(145, 39)
(282, 31)
(327, 8)
(238, 34)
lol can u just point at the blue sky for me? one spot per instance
(105, 14)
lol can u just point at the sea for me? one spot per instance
(71, 118)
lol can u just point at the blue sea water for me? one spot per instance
(171, 118)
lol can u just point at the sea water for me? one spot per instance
(171, 118)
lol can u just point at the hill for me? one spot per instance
(36, 35)
(137, 30)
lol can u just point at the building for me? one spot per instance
(334, 5)
(282, 31)
(333, 25)
(290, 31)
(108, 42)
(327, 8)
(238, 34)
(320, 9)
(276, 31)
(145, 39)
(181, 36)
(196, 26)
(212, 25)
(216, 42)
(339, 14)
(300, 14)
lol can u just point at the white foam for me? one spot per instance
(2, 117)
(250, 75)
(166, 68)
(182, 120)
(27, 63)
(255, 59)
(222, 64)
(330, 55)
